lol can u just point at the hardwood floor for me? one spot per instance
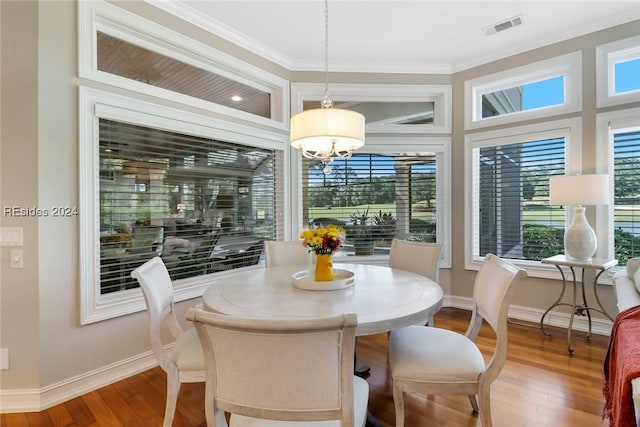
(540, 386)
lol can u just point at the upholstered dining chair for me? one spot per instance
(260, 371)
(184, 362)
(439, 361)
(417, 257)
(279, 253)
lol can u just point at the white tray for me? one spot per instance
(305, 280)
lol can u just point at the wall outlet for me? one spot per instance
(4, 358)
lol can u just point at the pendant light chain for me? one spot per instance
(326, 102)
(327, 133)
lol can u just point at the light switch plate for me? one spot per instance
(10, 236)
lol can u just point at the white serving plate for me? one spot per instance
(305, 280)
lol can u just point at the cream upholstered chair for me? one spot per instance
(293, 372)
(184, 362)
(438, 361)
(418, 257)
(279, 253)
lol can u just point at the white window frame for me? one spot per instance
(101, 16)
(441, 146)
(94, 105)
(570, 129)
(607, 124)
(568, 66)
(607, 56)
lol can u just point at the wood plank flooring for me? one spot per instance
(540, 386)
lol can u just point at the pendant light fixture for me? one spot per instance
(327, 133)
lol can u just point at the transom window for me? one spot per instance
(618, 72)
(542, 89)
(114, 56)
(627, 76)
(543, 93)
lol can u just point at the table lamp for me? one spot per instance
(578, 190)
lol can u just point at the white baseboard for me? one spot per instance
(599, 326)
(35, 400)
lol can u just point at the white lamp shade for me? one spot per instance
(318, 129)
(579, 189)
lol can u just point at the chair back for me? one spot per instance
(492, 288)
(287, 370)
(418, 257)
(279, 253)
(158, 295)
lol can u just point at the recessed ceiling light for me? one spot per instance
(236, 98)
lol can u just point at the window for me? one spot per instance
(174, 67)
(626, 201)
(619, 153)
(544, 93)
(508, 210)
(387, 108)
(618, 72)
(182, 197)
(542, 89)
(200, 194)
(376, 197)
(114, 57)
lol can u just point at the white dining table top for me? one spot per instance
(383, 298)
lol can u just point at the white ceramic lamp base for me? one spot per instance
(579, 239)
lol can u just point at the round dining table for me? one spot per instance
(383, 298)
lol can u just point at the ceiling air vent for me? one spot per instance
(504, 25)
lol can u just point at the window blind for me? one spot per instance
(203, 205)
(512, 215)
(375, 197)
(626, 146)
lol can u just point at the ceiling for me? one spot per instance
(419, 36)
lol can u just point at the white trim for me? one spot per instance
(95, 104)
(570, 129)
(607, 56)
(35, 400)
(100, 16)
(440, 95)
(569, 66)
(599, 326)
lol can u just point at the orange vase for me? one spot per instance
(324, 268)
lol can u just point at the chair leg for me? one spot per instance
(474, 402)
(484, 397)
(173, 388)
(398, 401)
